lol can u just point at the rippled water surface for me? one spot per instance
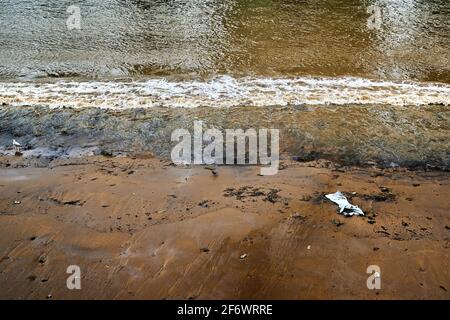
(203, 38)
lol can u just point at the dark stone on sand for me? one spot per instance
(42, 259)
(337, 222)
(306, 197)
(32, 277)
(106, 153)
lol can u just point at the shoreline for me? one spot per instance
(388, 136)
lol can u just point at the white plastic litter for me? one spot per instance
(16, 145)
(345, 207)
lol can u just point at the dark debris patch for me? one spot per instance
(383, 196)
(241, 193)
(272, 196)
(67, 202)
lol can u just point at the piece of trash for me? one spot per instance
(243, 256)
(308, 247)
(16, 144)
(16, 202)
(345, 207)
(17, 147)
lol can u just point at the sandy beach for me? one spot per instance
(141, 228)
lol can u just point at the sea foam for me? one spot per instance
(223, 91)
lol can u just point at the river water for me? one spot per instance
(224, 53)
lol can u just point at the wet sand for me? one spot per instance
(141, 228)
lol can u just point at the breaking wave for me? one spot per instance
(223, 91)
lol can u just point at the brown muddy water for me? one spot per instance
(240, 38)
(353, 81)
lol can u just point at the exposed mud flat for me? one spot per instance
(142, 228)
(408, 136)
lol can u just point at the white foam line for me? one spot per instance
(224, 91)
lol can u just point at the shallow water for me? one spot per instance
(240, 38)
(411, 136)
